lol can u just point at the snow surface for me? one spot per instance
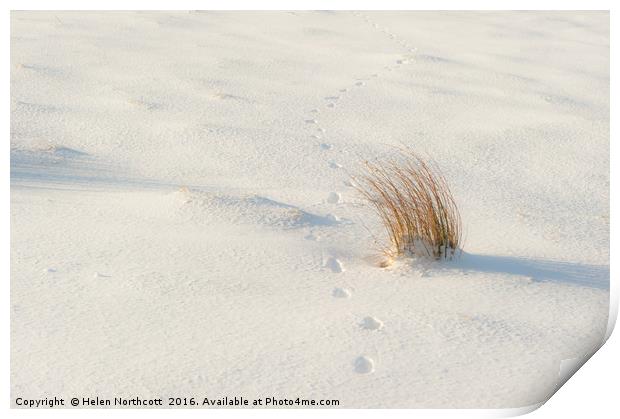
(183, 222)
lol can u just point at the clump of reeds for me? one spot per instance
(415, 206)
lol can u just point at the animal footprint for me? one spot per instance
(333, 218)
(312, 237)
(359, 83)
(334, 264)
(364, 365)
(331, 105)
(341, 293)
(311, 121)
(371, 323)
(333, 198)
(326, 146)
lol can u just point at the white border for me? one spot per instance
(310, 5)
(592, 392)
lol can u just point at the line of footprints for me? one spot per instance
(363, 364)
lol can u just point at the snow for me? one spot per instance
(371, 323)
(182, 212)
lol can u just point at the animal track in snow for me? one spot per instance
(402, 43)
(364, 365)
(334, 198)
(371, 323)
(312, 237)
(341, 293)
(332, 218)
(334, 264)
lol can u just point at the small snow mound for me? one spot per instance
(419, 248)
(255, 209)
(65, 151)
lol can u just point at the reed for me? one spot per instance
(415, 205)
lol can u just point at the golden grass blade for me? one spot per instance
(415, 205)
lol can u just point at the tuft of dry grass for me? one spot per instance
(415, 205)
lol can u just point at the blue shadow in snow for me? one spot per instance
(69, 169)
(585, 275)
(63, 168)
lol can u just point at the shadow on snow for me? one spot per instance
(542, 270)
